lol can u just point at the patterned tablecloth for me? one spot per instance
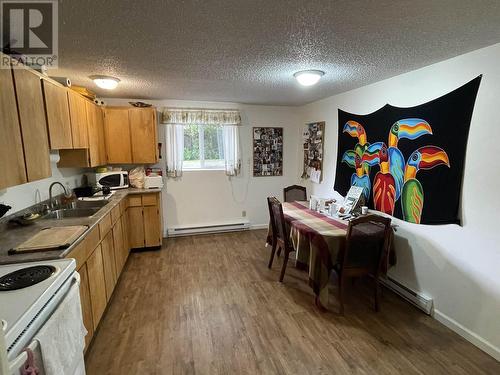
(318, 240)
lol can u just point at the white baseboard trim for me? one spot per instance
(259, 226)
(467, 334)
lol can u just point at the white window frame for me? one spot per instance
(201, 146)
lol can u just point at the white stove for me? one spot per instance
(24, 310)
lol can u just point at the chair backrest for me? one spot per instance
(367, 242)
(278, 224)
(295, 193)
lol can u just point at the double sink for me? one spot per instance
(78, 209)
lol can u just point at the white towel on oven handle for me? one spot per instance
(62, 337)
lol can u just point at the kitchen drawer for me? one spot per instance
(83, 250)
(105, 225)
(135, 200)
(115, 214)
(149, 199)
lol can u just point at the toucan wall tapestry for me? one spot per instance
(313, 140)
(409, 161)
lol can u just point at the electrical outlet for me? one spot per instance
(243, 214)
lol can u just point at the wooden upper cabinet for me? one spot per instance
(99, 121)
(143, 135)
(95, 154)
(58, 119)
(117, 135)
(33, 124)
(78, 117)
(13, 171)
(95, 123)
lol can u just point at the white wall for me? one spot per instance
(22, 196)
(206, 197)
(457, 265)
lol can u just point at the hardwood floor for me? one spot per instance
(209, 305)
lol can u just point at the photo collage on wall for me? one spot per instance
(267, 151)
(313, 143)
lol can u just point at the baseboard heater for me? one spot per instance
(423, 302)
(209, 228)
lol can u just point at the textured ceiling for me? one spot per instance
(247, 50)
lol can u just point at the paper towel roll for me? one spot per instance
(54, 157)
(62, 80)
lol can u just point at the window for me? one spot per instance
(203, 147)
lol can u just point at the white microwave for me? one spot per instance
(113, 179)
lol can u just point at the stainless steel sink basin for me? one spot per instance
(91, 204)
(71, 212)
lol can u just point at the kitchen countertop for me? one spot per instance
(15, 235)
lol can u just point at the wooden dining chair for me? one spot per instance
(367, 244)
(295, 193)
(281, 241)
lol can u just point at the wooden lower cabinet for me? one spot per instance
(136, 227)
(86, 303)
(100, 258)
(97, 288)
(120, 253)
(144, 221)
(152, 229)
(125, 230)
(108, 258)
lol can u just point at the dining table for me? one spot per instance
(319, 241)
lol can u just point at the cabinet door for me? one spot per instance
(143, 135)
(13, 170)
(58, 121)
(126, 243)
(117, 135)
(99, 120)
(86, 303)
(108, 258)
(78, 118)
(152, 227)
(97, 285)
(118, 244)
(135, 227)
(97, 152)
(33, 124)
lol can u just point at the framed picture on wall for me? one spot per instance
(313, 139)
(267, 151)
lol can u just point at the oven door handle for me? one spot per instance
(21, 359)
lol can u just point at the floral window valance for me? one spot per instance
(183, 116)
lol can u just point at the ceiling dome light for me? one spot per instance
(105, 82)
(308, 77)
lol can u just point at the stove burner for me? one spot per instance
(25, 277)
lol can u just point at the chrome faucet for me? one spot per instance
(51, 202)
